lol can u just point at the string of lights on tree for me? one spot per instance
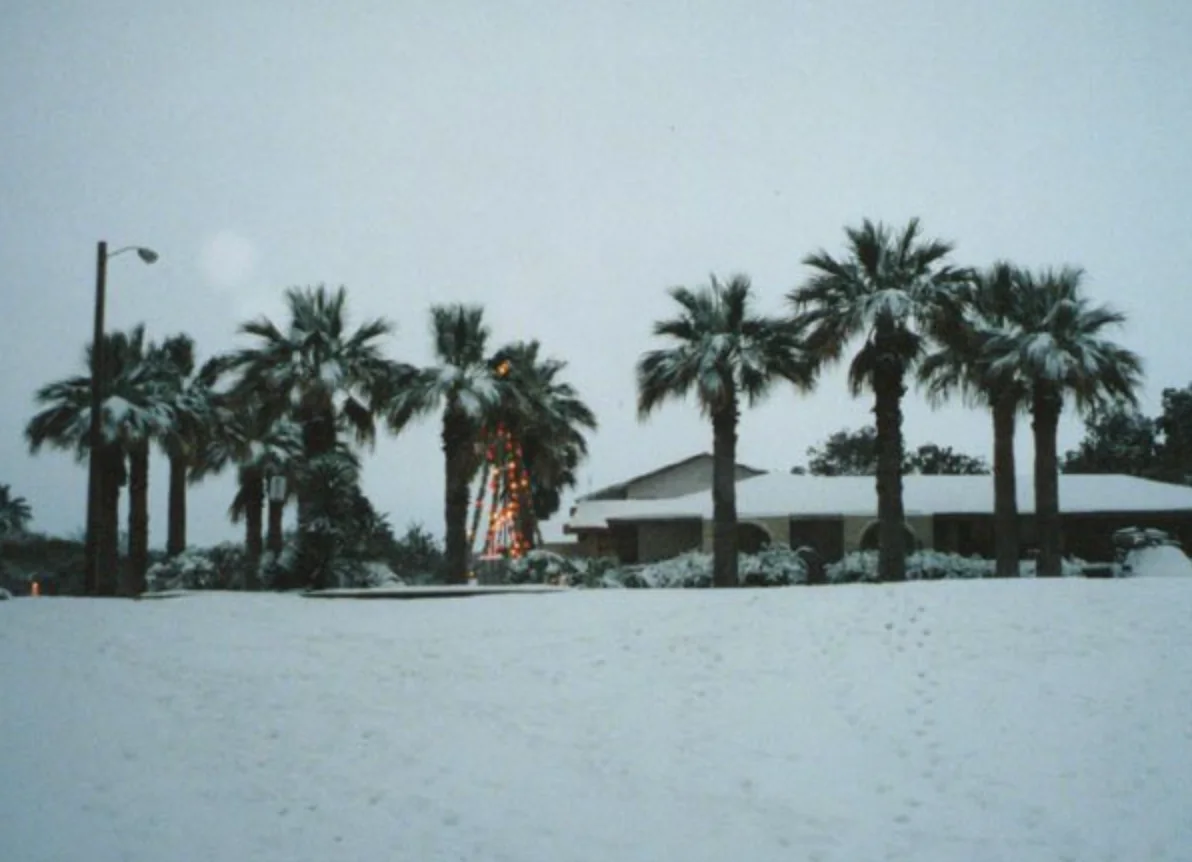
(507, 483)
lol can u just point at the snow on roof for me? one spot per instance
(782, 494)
(619, 487)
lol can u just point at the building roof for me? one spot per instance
(613, 491)
(783, 494)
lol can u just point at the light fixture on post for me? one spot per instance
(276, 490)
(92, 579)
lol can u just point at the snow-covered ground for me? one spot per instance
(1004, 720)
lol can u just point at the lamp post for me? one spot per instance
(277, 499)
(95, 467)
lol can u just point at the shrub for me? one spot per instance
(417, 556)
(931, 565)
(597, 573)
(1070, 567)
(541, 567)
(774, 566)
(57, 564)
(193, 569)
(855, 567)
(927, 565)
(686, 571)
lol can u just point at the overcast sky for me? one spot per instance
(562, 164)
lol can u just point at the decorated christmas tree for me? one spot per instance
(506, 485)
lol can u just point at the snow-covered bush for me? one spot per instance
(774, 566)
(5, 595)
(690, 570)
(855, 567)
(926, 565)
(376, 574)
(929, 565)
(540, 566)
(594, 573)
(190, 570)
(1070, 567)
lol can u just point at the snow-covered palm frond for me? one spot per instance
(721, 350)
(133, 389)
(1054, 338)
(963, 328)
(463, 380)
(315, 363)
(895, 283)
(460, 334)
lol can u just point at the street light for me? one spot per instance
(95, 473)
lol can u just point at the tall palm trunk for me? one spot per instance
(485, 473)
(274, 537)
(113, 475)
(1005, 485)
(456, 439)
(176, 519)
(133, 583)
(724, 497)
(1045, 410)
(253, 489)
(318, 439)
(888, 390)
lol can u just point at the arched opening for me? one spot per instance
(869, 537)
(751, 538)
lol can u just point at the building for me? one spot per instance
(669, 511)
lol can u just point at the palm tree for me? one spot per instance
(188, 394)
(463, 386)
(1056, 342)
(134, 412)
(316, 372)
(147, 417)
(550, 419)
(15, 513)
(724, 352)
(961, 364)
(885, 291)
(244, 437)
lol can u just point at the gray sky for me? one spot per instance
(562, 164)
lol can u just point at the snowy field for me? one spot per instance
(1000, 720)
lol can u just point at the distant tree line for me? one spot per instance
(1121, 439)
(854, 453)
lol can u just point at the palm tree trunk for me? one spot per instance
(176, 526)
(138, 521)
(1045, 411)
(455, 503)
(528, 523)
(253, 487)
(318, 439)
(479, 504)
(724, 497)
(1005, 486)
(888, 391)
(108, 541)
(274, 537)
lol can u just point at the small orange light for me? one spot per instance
(35, 590)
